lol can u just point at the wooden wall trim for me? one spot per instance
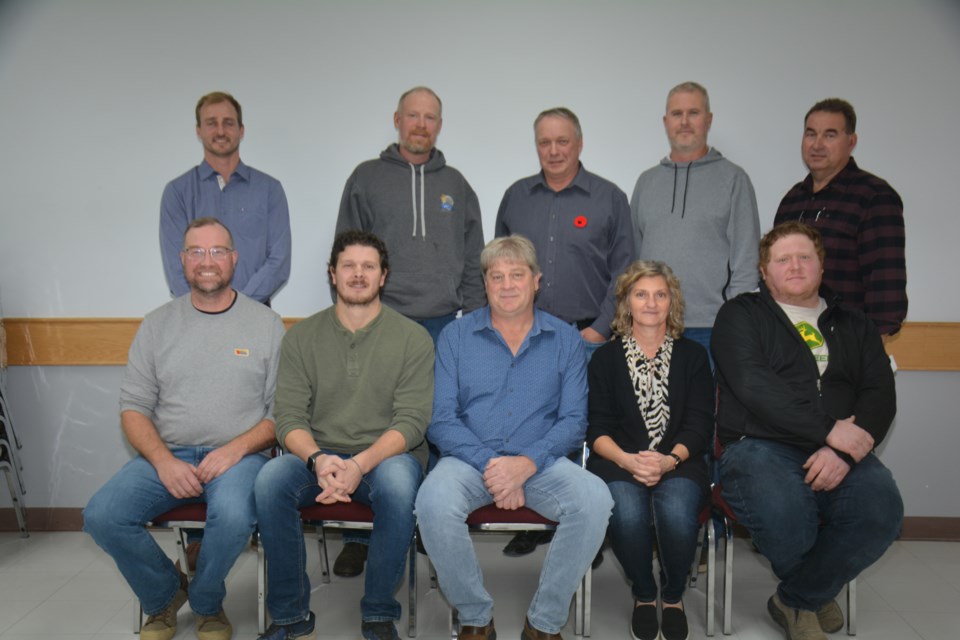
(920, 346)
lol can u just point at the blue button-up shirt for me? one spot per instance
(584, 239)
(254, 208)
(489, 403)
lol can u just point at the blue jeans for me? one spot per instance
(116, 515)
(563, 492)
(668, 510)
(285, 485)
(816, 541)
(435, 325)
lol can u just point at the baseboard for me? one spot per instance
(71, 519)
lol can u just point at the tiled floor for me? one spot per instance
(60, 586)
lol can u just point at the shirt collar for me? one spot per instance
(580, 181)
(838, 182)
(207, 172)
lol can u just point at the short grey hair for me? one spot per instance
(419, 89)
(515, 248)
(560, 112)
(690, 87)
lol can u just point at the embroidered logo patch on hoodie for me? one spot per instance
(446, 202)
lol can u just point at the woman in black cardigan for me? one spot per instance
(650, 422)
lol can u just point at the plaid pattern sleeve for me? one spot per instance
(860, 217)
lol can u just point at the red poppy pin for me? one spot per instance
(580, 222)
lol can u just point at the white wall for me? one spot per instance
(96, 115)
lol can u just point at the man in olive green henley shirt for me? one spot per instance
(354, 398)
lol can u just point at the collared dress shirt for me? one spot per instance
(489, 403)
(584, 239)
(252, 205)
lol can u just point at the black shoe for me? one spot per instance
(526, 542)
(597, 560)
(643, 622)
(673, 624)
(383, 630)
(350, 561)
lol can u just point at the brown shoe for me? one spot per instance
(486, 632)
(529, 633)
(163, 625)
(214, 627)
(830, 617)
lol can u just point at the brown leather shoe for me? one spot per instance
(529, 633)
(486, 632)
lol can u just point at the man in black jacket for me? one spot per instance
(805, 394)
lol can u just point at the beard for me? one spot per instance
(418, 145)
(358, 298)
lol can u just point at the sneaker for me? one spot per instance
(643, 622)
(303, 630)
(163, 625)
(380, 630)
(830, 617)
(673, 624)
(799, 624)
(215, 627)
(350, 561)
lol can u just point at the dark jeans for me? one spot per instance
(668, 511)
(816, 541)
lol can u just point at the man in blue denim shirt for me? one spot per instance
(250, 202)
(510, 403)
(196, 404)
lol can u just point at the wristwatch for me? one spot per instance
(312, 460)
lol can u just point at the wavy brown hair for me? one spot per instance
(622, 324)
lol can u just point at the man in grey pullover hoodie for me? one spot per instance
(697, 212)
(425, 212)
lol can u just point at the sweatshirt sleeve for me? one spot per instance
(743, 235)
(140, 389)
(471, 287)
(413, 395)
(293, 395)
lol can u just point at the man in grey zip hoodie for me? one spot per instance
(425, 212)
(697, 212)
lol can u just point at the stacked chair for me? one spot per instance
(10, 462)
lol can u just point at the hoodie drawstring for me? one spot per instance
(686, 185)
(413, 198)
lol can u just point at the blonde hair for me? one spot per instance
(622, 324)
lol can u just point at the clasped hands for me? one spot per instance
(337, 477)
(646, 467)
(825, 469)
(183, 480)
(504, 478)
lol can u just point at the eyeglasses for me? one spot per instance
(196, 254)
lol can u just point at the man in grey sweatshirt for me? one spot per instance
(697, 212)
(425, 212)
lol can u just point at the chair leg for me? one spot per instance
(412, 589)
(454, 623)
(728, 577)
(695, 569)
(181, 538)
(710, 541)
(852, 607)
(324, 559)
(261, 586)
(137, 616)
